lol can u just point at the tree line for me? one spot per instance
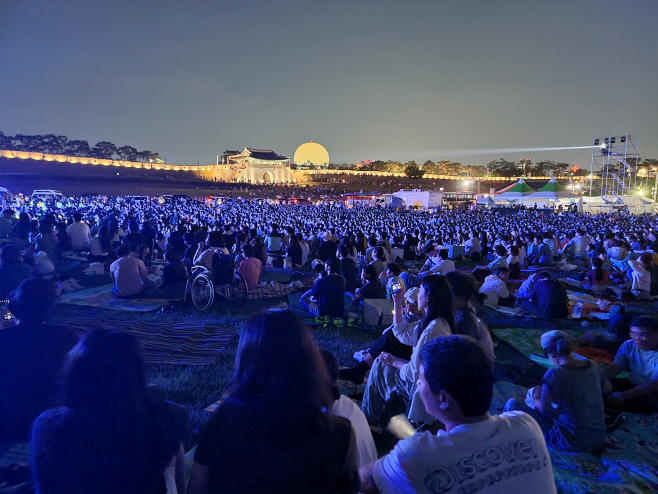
(54, 144)
(495, 168)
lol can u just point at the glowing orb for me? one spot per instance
(311, 153)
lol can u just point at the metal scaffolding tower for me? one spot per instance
(615, 161)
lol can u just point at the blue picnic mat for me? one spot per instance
(281, 275)
(626, 464)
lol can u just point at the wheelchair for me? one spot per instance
(222, 280)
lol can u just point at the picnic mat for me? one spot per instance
(527, 341)
(102, 297)
(280, 275)
(182, 343)
(626, 464)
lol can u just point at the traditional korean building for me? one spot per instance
(259, 166)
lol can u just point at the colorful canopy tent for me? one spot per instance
(486, 201)
(516, 192)
(552, 191)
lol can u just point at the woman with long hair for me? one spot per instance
(391, 373)
(272, 433)
(110, 435)
(259, 250)
(467, 301)
(101, 246)
(361, 244)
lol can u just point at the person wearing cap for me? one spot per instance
(569, 405)
(638, 356)
(31, 356)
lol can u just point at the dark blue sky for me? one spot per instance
(367, 79)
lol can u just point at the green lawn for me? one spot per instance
(197, 386)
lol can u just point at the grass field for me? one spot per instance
(197, 386)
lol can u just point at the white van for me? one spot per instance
(47, 194)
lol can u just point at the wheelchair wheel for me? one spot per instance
(203, 292)
(238, 289)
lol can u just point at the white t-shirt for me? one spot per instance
(365, 444)
(501, 455)
(79, 233)
(642, 364)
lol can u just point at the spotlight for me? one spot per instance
(612, 140)
(606, 140)
(622, 138)
(596, 142)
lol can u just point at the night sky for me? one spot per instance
(404, 80)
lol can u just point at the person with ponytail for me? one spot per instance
(569, 405)
(597, 276)
(392, 374)
(467, 301)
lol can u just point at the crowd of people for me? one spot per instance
(285, 427)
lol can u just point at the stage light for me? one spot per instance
(622, 138)
(596, 142)
(612, 140)
(606, 140)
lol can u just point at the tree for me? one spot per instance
(412, 170)
(77, 148)
(475, 171)
(503, 168)
(453, 169)
(543, 168)
(127, 153)
(104, 150)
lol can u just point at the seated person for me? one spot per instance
(541, 253)
(603, 255)
(466, 296)
(110, 435)
(495, 288)
(513, 263)
(499, 261)
(190, 250)
(638, 356)
(129, 277)
(642, 278)
(174, 278)
(274, 241)
(327, 296)
(250, 268)
(204, 255)
(343, 406)
(456, 386)
(391, 374)
(101, 246)
(569, 405)
(12, 270)
(380, 260)
(348, 268)
(391, 278)
(597, 276)
(432, 258)
(371, 288)
(445, 265)
(547, 299)
(472, 247)
(272, 435)
(144, 255)
(32, 354)
(43, 263)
